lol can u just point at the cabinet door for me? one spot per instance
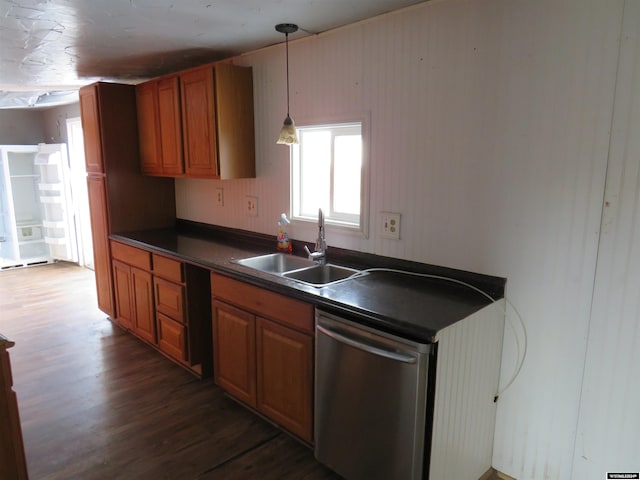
(170, 122)
(12, 458)
(285, 376)
(96, 190)
(172, 337)
(122, 287)
(91, 129)
(142, 294)
(169, 298)
(198, 123)
(234, 114)
(148, 128)
(234, 351)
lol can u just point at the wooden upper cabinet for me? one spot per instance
(91, 128)
(159, 127)
(234, 110)
(148, 127)
(169, 119)
(198, 123)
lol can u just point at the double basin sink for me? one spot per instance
(299, 269)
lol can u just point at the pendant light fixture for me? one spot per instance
(288, 134)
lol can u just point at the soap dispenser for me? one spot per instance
(284, 242)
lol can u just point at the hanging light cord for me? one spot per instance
(286, 42)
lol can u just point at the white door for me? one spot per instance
(75, 140)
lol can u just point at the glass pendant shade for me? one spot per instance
(288, 134)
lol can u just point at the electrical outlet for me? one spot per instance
(390, 225)
(251, 206)
(220, 197)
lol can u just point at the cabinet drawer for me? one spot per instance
(172, 337)
(168, 268)
(131, 255)
(169, 298)
(285, 310)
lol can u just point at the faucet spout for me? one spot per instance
(321, 242)
(320, 253)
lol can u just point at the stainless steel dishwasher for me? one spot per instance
(370, 401)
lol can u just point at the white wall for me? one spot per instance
(20, 127)
(490, 128)
(42, 125)
(608, 430)
(55, 121)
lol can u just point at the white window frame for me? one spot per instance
(340, 224)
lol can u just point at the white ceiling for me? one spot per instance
(55, 45)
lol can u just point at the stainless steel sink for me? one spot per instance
(298, 268)
(321, 275)
(276, 263)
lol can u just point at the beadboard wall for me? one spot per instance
(489, 131)
(608, 437)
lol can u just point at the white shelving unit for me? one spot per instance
(36, 223)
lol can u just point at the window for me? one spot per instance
(328, 172)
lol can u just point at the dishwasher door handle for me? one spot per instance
(365, 347)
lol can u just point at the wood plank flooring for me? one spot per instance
(96, 403)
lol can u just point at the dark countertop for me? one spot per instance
(412, 306)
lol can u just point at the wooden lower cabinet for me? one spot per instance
(235, 351)
(122, 289)
(133, 290)
(263, 352)
(97, 192)
(134, 300)
(285, 376)
(172, 337)
(13, 465)
(165, 303)
(183, 310)
(144, 318)
(170, 298)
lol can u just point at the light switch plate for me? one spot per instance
(390, 225)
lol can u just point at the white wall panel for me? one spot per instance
(466, 382)
(489, 129)
(608, 433)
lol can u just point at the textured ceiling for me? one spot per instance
(58, 44)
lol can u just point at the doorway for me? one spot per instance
(75, 141)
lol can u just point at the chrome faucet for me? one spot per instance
(320, 253)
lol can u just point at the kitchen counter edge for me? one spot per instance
(217, 253)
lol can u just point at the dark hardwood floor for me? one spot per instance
(96, 403)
